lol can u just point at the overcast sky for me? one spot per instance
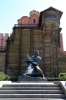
(12, 10)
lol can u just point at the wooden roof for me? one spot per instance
(49, 9)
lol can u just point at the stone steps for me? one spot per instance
(31, 88)
(32, 91)
(30, 99)
(62, 96)
(47, 84)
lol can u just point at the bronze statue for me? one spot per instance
(32, 65)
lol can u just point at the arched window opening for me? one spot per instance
(50, 16)
(34, 21)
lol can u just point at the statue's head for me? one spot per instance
(36, 52)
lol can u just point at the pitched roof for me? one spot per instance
(51, 8)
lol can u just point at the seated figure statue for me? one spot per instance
(32, 65)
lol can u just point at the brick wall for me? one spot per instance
(2, 61)
(32, 19)
(3, 38)
(61, 44)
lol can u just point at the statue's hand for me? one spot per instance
(34, 63)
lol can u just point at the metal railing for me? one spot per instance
(25, 25)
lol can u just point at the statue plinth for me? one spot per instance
(31, 79)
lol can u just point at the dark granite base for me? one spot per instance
(31, 79)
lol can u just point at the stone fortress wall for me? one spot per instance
(24, 20)
(3, 38)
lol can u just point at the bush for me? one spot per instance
(3, 76)
(62, 76)
(52, 79)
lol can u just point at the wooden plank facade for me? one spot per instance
(43, 37)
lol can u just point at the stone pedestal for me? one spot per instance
(31, 79)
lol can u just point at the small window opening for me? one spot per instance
(34, 21)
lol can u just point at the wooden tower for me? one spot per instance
(44, 37)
